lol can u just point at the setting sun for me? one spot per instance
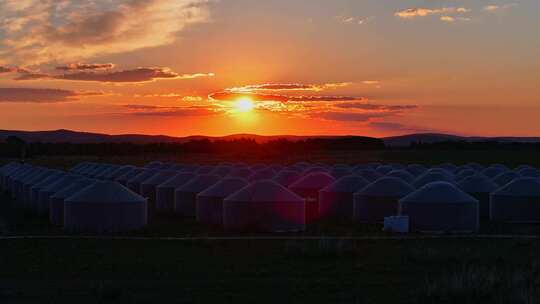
(244, 105)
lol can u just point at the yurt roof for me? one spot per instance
(199, 183)
(130, 174)
(204, 169)
(478, 183)
(466, 173)
(262, 174)
(448, 167)
(431, 177)
(50, 179)
(154, 164)
(529, 172)
(178, 180)
(62, 183)
(439, 192)
(347, 184)
(387, 186)
(120, 171)
(403, 174)
(287, 177)
(105, 192)
(368, 174)
(222, 170)
(225, 187)
(492, 171)
(241, 172)
(316, 169)
(73, 188)
(160, 177)
(143, 176)
(506, 177)
(313, 181)
(384, 169)
(523, 186)
(265, 191)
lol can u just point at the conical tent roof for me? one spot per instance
(153, 165)
(338, 172)
(506, 177)
(416, 169)
(262, 174)
(105, 193)
(529, 172)
(313, 181)
(404, 175)
(520, 167)
(61, 183)
(384, 169)
(225, 187)
(242, 172)
(119, 171)
(387, 186)
(439, 192)
(475, 166)
(492, 171)
(430, 177)
(222, 170)
(265, 191)
(144, 175)
(204, 169)
(287, 177)
(178, 180)
(465, 173)
(369, 174)
(524, 186)
(477, 184)
(130, 174)
(199, 183)
(447, 167)
(347, 184)
(73, 188)
(160, 177)
(442, 171)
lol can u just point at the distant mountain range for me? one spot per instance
(62, 136)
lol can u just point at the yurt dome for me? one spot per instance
(119, 171)
(258, 167)
(210, 202)
(10, 174)
(475, 166)
(30, 182)
(308, 187)
(17, 181)
(480, 187)
(78, 166)
(492, 171)
(97, 170)
(416, 169)
(103, 174)
(506, 177)
(56, 201)
(153, 165)
(6, 171)
(315, 169)
(124, 178)
(165, 191)
(262, 174)
(45, 193)
(521, 167)
(517, 201)
(266, 206)
(403, 174)
(447, 167)
(287, 177)
(241, 172)
(88, 168)
(222, 170)
(34, 191)
(204, 170)
(396, 166)
(339, 172)
(465, 173)
(380, 199)
(185, 197)
(500, 166)
(441, 207)
(276, 168)
(448, 174)
(431, 176)
(148, 187)
(105, 207)
(134, 184)
(384, 169)
(336, 199)
(369, 174)
(529, 172)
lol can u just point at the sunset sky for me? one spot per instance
(299, 67)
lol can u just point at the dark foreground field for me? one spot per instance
(319, 267)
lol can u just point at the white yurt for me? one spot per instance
(148, 187)
(153, 165)
(336, 200)
(56, 201)
(480, 187)
(517, 202)
(264, 206)
(134, 184)
(462, 174)
(204, 169)
(113, 175)
(369, 174)
(16, 181)
(493, 171)
(287, 177)
(30, 182)
(308, 187)
(222, 170)
(339, 172)
(506, 177)
(379, 199)
(262, 175)
(45, 193)
(185, 197)
(384, 169)
(6, 171)
(403, 174)
(105, 207)
(529, 172)
(240, 172)
(210, 202)
(165, 191)
(131, 173)
(34, 191)
(416, 169)
(447, 167)
(431, 176)
(441, 207)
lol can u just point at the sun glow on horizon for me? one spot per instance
(244, 105)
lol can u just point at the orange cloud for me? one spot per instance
(289, 87)
(423, 12)
(85, 66)
(41, 95)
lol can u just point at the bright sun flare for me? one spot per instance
(244, 105)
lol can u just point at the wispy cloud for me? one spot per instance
(411, 13)
(36, 95)
(152, 110)
(354, 20)
(41, 31)
(232, 96)
(271, 87)
(137, 75)
(494, 7)
(85, 66)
